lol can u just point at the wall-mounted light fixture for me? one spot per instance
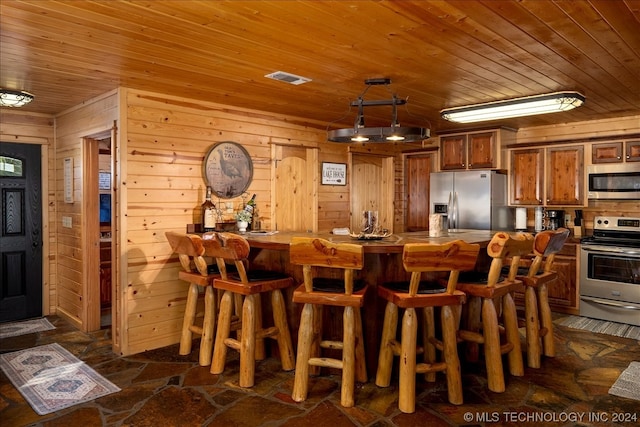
(14, 98)
(392, 133)
(517, 107)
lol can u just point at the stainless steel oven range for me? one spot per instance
(610, 270)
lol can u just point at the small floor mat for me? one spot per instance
(14, 329)
(600, 326)
(628, 383)
(50, 378)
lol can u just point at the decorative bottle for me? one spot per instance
(251, 204)
(208, 213)
(249, 208)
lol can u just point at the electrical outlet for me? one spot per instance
(567, 219)
(66, 221)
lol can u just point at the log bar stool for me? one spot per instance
(317, 292)
(536, 280)
(250, 284)
(190, 250)
(490, 290)
(418, 258)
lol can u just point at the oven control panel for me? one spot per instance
(616, 223)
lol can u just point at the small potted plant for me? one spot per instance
(243, 217)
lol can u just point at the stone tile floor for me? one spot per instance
(161, 388)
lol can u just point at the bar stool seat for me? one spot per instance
(246, 286)
(317, 292)
(482, 324)
(191, 252)
(538, 320)
(419, 258)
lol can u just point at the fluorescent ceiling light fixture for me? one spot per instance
(392, 133)
(517, 107)
(14, 98)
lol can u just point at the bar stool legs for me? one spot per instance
(546, 331)
(250, 342)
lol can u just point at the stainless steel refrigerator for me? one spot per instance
(471, 199)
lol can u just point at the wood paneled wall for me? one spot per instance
(162, 148)
(33, 128)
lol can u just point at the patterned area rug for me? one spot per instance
(628, 383)
(14, 329)
(600, 326)
(50, 378)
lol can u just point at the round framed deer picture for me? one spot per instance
(228, 169)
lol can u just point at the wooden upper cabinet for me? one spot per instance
(616, 152)
(482, 150)
(453, 152)
(473, 150)
(527, 177)
(610, 152)
(632, 151)
(565, 176)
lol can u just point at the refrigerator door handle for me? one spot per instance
(450, 212)
(454, 222)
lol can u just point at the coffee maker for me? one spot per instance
(555, 219)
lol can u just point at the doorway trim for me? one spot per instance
(91, 312)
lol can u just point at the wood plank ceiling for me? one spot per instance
(437, 53)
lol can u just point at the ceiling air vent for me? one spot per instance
(287, 78)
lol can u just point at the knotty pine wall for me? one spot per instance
(162, 147)
(32, 128)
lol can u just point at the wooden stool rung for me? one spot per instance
(334, 345)
(232, 343)
(196, 329)
(267, 332)
(470, 336)
(325, 362)
(425, 368)
(506, 347)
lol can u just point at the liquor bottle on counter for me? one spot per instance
(249, 208)
(208, 213)
(251, 204)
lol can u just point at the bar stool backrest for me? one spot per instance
(503, 246)
(453, 257)
(545, 247)
(188, 247)
(228, 247)
(317, 252)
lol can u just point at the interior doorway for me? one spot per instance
(98, 211)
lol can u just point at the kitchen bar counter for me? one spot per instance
(383, 263)
(391, 244)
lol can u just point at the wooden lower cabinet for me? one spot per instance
(563, 294)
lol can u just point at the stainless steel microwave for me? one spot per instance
(619, 181)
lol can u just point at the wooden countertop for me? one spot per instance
(391, 244)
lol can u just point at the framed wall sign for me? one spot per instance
(334, 173)
(227, 169)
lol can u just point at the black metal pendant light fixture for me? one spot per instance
(392, 133)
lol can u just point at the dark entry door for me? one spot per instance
(20, 232)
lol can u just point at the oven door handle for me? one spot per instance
(605, 302)
(610, 249)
